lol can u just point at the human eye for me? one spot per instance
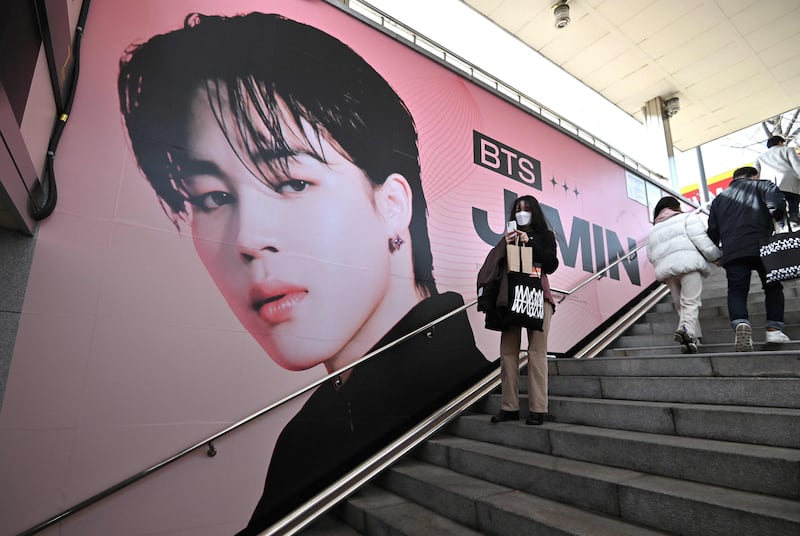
(291, 186)
(209, 201)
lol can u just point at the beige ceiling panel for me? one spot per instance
(745, 71)
(514, 14)
(598, 55)
(792, 87)
(759, 16)
(484, 6)
(705, 68)
(779, 53)
(562, 51)
(617, 13)
(695, 49)
(659, 88)
(692, 25)
(731, 8)
(537, 33)
(786, 70)
(655, 16)
(635, 83)
(783, 31)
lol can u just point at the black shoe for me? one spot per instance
(687, 342)
(505, 416)
(535, 419)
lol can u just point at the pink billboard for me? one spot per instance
(254, 194)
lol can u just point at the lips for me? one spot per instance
(275, 301)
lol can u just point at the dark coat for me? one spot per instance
(340, 426)
(493, 275)
(742, 215)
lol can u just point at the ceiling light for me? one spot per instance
(671, 107)
(561, 14)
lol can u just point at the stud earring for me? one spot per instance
(395, 243)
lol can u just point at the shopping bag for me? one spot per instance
(525, 301)
(525, 294)
(520, 259)
(780, 255)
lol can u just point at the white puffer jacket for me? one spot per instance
(678, 244)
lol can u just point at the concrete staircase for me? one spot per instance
(643, 440)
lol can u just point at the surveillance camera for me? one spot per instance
(671, 107)
(561, 14)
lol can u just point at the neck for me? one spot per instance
(401, 297)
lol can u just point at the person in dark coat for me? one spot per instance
(493, 299)
(739, 218)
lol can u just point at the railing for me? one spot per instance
(374, 464)
(600, 274)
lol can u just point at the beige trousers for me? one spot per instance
(686, 290)
(510, 340)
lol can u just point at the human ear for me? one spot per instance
(393, 201)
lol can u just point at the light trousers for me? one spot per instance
(510, 340)
(686, 290)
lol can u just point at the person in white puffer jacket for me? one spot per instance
(680, 251)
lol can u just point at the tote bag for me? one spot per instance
(525, 294)
(780, 254)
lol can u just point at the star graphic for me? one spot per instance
(576, 191)
(553, 181)
(566, 188)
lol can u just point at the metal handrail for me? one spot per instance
(600, 274)
(209, 441)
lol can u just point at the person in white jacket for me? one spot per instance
(781, 165)
(680, 251)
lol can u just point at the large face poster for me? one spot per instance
(253, 194)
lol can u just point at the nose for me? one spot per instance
(255, 234)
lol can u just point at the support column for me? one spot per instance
(659, 140)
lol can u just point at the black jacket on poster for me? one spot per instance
(742, 215)
(340, 426)
(492, 279)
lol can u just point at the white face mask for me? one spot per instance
(523, 218)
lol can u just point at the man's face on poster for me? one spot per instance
(300, 256)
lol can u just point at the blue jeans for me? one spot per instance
(738, 272)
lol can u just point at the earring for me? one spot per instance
(395, 243)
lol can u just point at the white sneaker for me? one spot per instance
(777, 337)
(744, 338)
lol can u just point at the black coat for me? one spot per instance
(492, 279)
(339, 427)
(742, 215)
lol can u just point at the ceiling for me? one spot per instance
(732, 63)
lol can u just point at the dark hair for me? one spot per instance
(666, 202)
(747, 172)
(538, 221)
(245, 64)
(775, 140)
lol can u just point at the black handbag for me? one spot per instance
(780, 255)
(525, 296)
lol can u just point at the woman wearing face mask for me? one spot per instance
(531, 231)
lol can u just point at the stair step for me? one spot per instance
(657, 350)
(775, 364)
(762, 392)
(677, 506)
(328, 525)
(756, 468)
(777, 427)
(494, 509)
(373, 510)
